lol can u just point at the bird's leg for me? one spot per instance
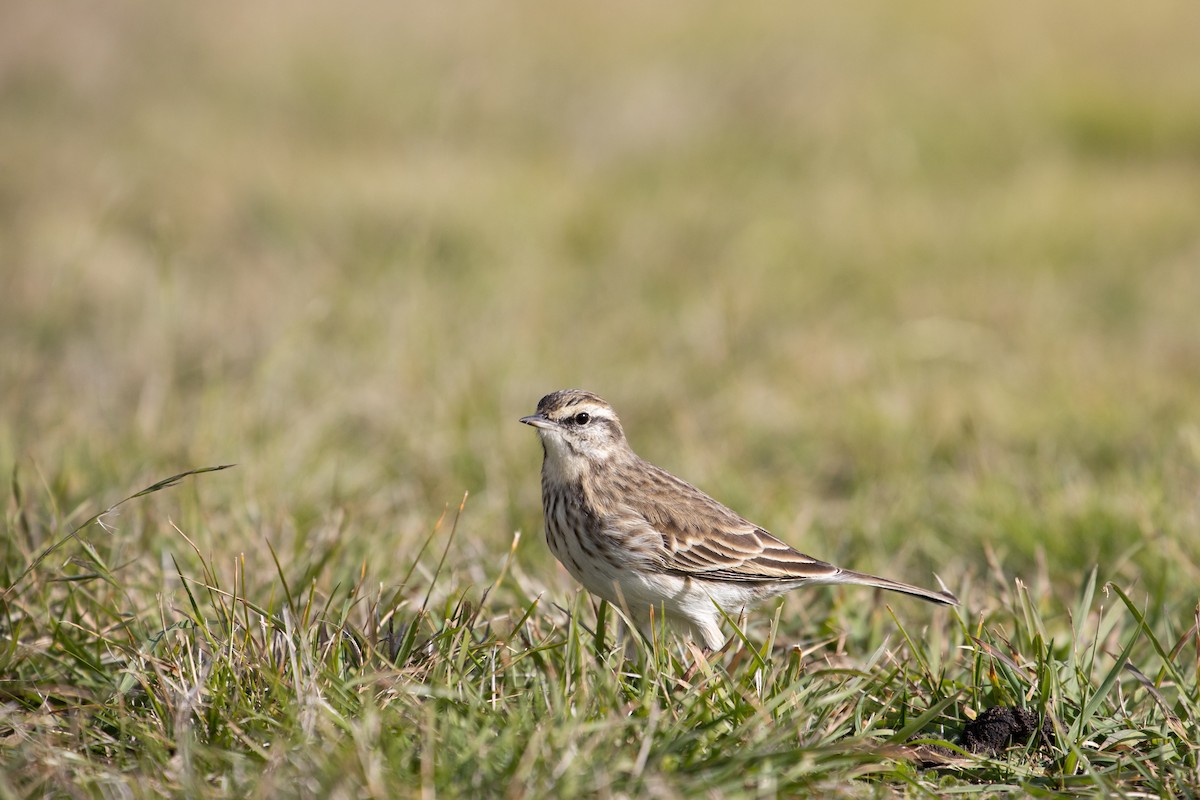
(700, 655)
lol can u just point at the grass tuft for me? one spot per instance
(233, 673)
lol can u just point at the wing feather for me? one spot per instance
(704, 539)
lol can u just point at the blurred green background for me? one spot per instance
(915, 286)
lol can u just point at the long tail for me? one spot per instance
(861, 578)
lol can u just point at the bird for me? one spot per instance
(654, 545)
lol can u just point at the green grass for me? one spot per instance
(362, 688)
(915, 288)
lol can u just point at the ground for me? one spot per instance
(914, 287)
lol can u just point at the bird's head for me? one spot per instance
(577, 427)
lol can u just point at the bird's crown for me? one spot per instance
(567, 403)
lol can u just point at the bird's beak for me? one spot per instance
(537, 421)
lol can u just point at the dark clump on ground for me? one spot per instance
(989, 734)
(1001, 726)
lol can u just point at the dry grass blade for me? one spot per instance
(154, 487)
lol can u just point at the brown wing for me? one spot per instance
(750, 554)
(703, 539)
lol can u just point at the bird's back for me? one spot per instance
(692, 534)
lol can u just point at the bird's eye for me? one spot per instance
(583, 418)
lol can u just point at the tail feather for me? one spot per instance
(861, 578)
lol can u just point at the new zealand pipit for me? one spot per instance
(651, 543)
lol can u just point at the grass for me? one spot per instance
(914, 289)
(364, 689)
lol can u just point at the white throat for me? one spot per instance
(562, 464)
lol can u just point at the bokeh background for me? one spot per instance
(915, 286)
